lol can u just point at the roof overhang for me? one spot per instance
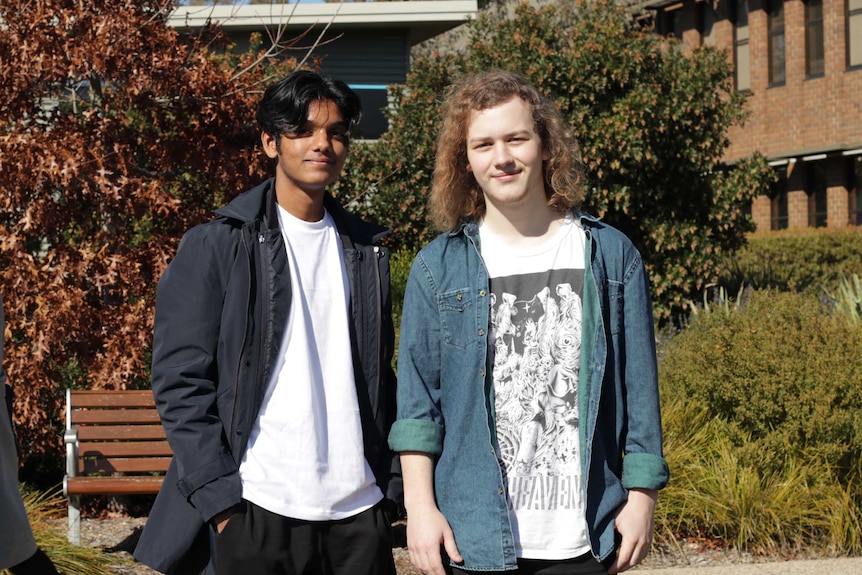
(641, 6)
(812, 154)
(424, 19)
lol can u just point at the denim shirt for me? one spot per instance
(446, 392)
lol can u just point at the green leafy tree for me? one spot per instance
(116, 135)
(651, 119)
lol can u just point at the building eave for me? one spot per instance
(424, 19)
(812, 153)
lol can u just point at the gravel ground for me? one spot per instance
(118, 536)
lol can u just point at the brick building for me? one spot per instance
(801, 61)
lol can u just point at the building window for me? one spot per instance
(815, 175)
(778, 201)
(707, 24)
(856, 191)
(776, 42)
(854, 33)
(814, 57)
(741, 57)
(669, 22)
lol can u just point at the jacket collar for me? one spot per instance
(258, 205)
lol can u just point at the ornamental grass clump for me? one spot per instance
(43, 510)
(847, 297)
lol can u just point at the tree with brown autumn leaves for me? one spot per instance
(116, 135)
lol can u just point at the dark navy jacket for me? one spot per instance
(221, 310)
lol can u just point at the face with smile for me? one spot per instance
(505, 154)
(309, 159)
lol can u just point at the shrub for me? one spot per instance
(399, 270)
(785, 377)
(795, 260)
(752, 503)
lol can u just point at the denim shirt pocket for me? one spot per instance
(616, 302)
(456, 309)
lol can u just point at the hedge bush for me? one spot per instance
(783, 374)
(795, 260)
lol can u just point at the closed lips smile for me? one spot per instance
(507, 174)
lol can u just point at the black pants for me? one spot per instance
(37, 564)
(583, 565)
(256, 541)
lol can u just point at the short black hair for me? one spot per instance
(284, 106)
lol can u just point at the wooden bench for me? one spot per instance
(115, 445)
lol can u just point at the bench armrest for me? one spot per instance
(70, 438)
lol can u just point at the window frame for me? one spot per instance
(741, 47)
(779, 213)
(776, 42)
(814, 68)
(853, 14)
(817, 189)
(854, 187)
(706, 14)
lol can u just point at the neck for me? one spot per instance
(300, 205)
(522, 226)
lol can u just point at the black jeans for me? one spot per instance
(37, 564)
(257, 541)
(583, 565)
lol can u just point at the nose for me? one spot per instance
(502, 155)
(321, 140)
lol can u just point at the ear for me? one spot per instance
(270, 144)
(546, 155)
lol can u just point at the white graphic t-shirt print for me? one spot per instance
(536, 342)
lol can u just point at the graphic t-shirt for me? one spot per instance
(535, 344)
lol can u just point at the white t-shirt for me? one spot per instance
(305, 458)
(535, 342)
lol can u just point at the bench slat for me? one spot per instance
(110, 398)
(120, 432)
(108, 485)
(108, 416)
(110, 465)
(125, 448)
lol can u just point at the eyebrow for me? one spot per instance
(338, 124)
(507, 135)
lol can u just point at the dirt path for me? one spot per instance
(118, 537)
(846, 566)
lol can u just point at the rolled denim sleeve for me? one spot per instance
(644, 465)
(419, 425)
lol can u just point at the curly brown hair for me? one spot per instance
(455, 194)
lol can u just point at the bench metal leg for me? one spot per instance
(74, 519)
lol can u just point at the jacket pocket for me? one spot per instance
(456, 317)
(616, 302)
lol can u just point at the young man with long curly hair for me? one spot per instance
(528, 414)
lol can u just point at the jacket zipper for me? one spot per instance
(381, 371)
(265, 321)
(232, 426)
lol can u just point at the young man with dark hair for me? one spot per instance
(528, 413)
(272, 371)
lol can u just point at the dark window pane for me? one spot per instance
(814, 55)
